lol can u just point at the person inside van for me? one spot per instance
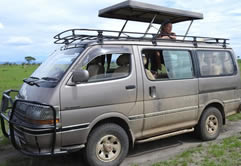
(154, 62)
(166, 31)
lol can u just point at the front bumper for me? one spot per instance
(26, 138)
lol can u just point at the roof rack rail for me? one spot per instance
(72, 35)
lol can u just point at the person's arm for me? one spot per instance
(173, 36)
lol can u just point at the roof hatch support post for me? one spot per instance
(159, 30)
(100, 36)
(150, 25)
(122, 28)
(188, 30)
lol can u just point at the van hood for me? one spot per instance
(39, 94)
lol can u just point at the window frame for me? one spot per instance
(110, 49)
(222, 75)
(191, 54)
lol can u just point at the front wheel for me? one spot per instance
(210, 124)
(107, 145)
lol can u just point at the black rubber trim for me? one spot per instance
(49, 131)
(217, 90)
(81, 126)
(136, 117)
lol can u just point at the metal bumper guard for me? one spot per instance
(7, 113)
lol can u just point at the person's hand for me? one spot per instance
(165, 37)
(173, 35)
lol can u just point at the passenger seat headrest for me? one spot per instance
(123, 60)
(144, 60)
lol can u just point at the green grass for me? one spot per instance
(3, 140)
(235, 117)
(225, 153)
(11, 78)
(17, 162)
(239, 63)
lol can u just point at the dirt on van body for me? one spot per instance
(142, 155)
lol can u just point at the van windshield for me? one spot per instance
(55, 66)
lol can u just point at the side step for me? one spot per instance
(165, 135)
(73, 148)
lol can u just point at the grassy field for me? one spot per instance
(11, 77)
(225, 153)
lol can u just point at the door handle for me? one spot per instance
(152, 91)
(128, 87)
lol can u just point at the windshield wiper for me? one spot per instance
(30, 82)
(36, 78)
(49, 79)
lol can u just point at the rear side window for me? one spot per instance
(215, 63)
(167, 64)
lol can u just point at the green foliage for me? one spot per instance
(23, 161)
(29, 59)
(11, 78)
(223, 153)
(235, 117)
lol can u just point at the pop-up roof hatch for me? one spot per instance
(138, 11)
(144, 12)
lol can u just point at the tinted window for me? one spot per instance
(167, 64)
(108, 66)
(178, 64)
(215, 63)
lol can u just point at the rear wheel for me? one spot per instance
(107, 145)
(210, 124)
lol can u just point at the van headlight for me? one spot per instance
(35, 113)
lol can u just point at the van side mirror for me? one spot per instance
(80, 76)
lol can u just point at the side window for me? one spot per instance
(108, 66)
(167, 64)
(215, 63)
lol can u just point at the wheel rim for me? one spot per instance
(108, 148)
(212, 124)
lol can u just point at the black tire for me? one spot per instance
(100, 137)
(210, 124)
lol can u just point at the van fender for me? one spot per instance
(112, 115)
(202, 107)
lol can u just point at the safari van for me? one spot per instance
(101, 91)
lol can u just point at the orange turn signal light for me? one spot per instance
(43, 122)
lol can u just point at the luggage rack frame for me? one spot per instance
(72, 35)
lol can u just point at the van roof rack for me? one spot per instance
(137, 11)
(72, 35)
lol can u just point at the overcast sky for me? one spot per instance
(27, 27)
